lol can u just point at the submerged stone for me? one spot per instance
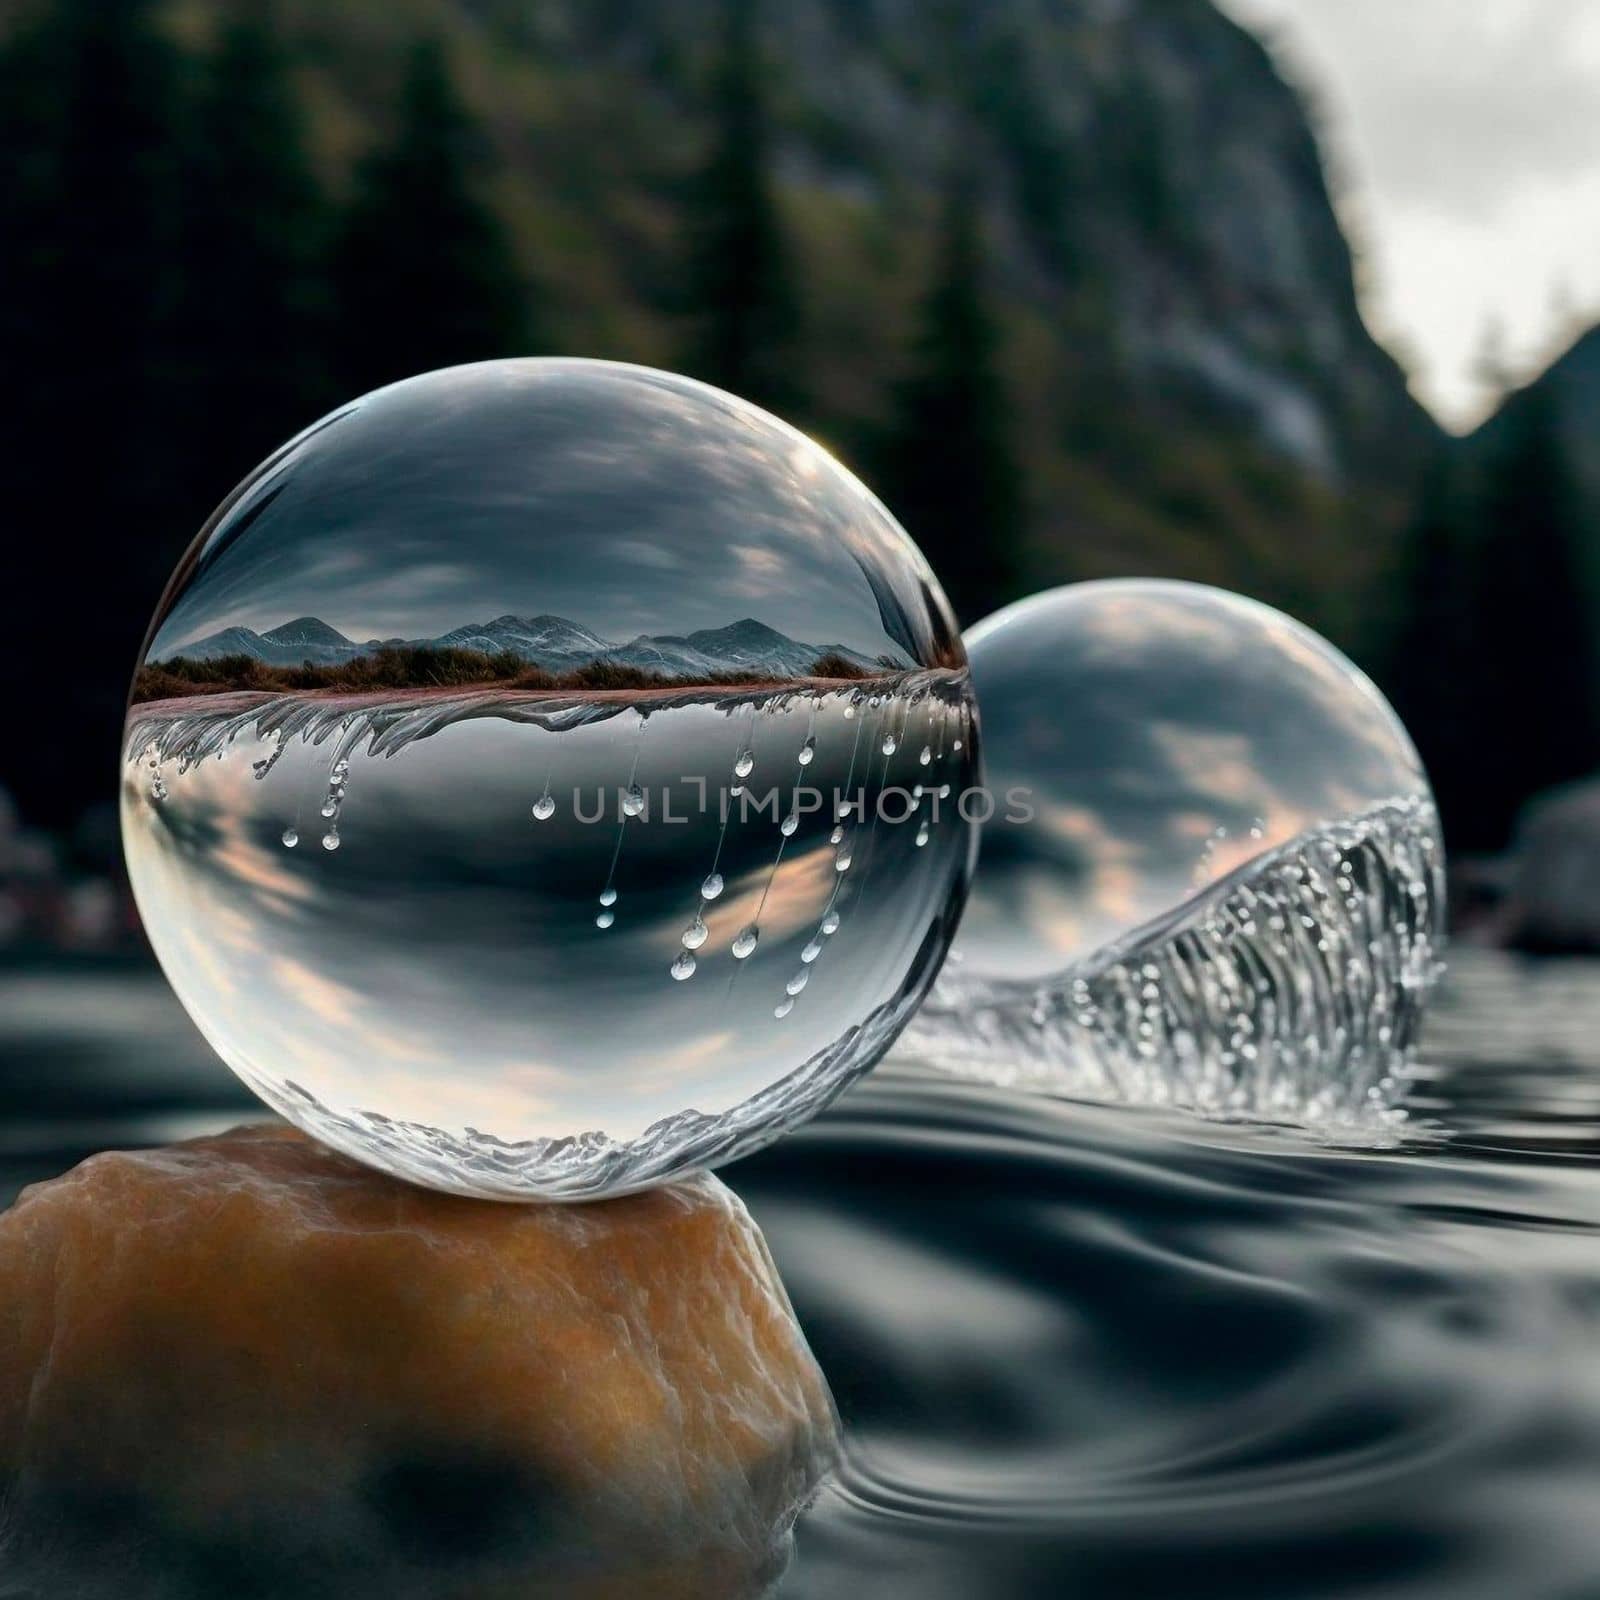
(248, 1365)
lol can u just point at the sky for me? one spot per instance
(627, 501)
(1463, 137)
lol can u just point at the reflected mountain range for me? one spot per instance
(542, 651)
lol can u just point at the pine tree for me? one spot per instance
(948, 470)
(742, 294)
(254, 319)
(92, 453)
(1431, 659)
(1535, 701)
(425, 272)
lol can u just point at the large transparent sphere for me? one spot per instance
(502, 778)
(1213, 874)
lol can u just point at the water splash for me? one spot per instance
(632, 803)
(1290, 991)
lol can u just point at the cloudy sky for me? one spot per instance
(627, 501)
(1465, 138)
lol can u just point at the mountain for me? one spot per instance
(290, 644)
(747, 645)
(1571, 384)
(306, 633)
(1193, 389)
(544, 639)
(228, 642)
(554, 643)
(304, 639)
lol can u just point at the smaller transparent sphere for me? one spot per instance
(1147, 741)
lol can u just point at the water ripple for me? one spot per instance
(1065, 1322)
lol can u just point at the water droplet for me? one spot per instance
(712, 887)
(290, 838)
(955, 744)
(544, 808)
(788, 825)
(745, 764)
(633, 801)
(890, 744)
(944, 791)
(605, 919)
(683, 967)
(926, 758)
(811, 951)
(608, 896)
(330, 808)
(798, 981)
(830, 923)
(836, 836)
(841, 862)
(330, 840)
(744, 941)
(808, 751)
(922, 835)
(783, 1009)
(849, 713)
(695, 935)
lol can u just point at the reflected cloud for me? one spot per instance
(1167, 734)
(550, 487)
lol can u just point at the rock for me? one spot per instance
(1554, 902)
(247, 1366)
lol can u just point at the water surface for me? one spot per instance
(1092, 1351)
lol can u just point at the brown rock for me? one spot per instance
(247, 1358)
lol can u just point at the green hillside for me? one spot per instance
(1191, 389)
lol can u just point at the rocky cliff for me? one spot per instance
(1195, 393)
(1193, 390)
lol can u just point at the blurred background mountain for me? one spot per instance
(1061, 278)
